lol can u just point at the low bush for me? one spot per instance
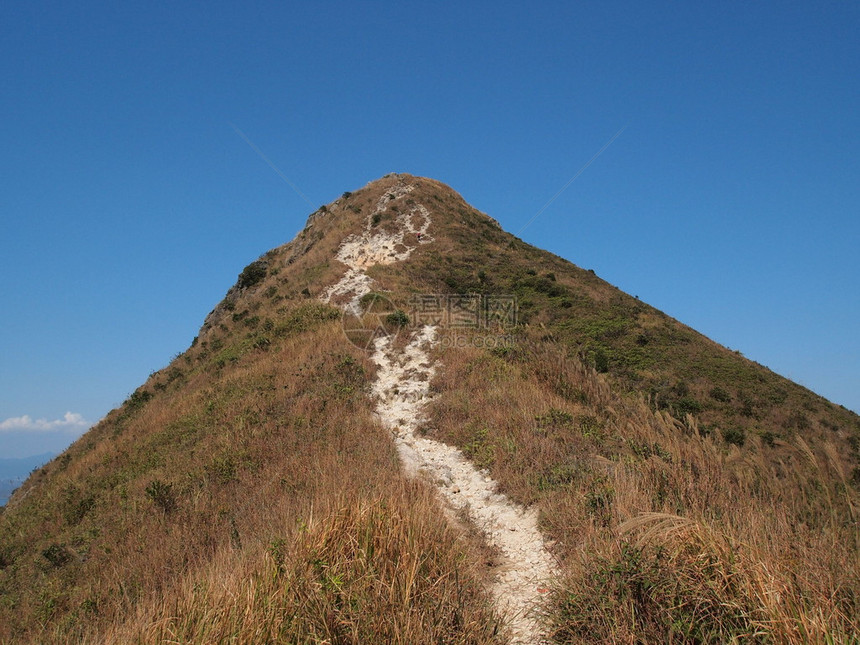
(57, 555)
(397, 318)
(719, 394)
(252, 274)
(162, 495)
(736, 436)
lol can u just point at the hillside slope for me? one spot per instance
(249, 492)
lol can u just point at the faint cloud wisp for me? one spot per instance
(71, 422)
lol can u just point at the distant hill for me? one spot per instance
(21, 467)
(324, 463)
(6, 488)
(13, 472)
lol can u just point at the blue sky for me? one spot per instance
(129, 202)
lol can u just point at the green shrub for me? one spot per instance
(736, 436)
(137, 400)
(797, 421)
(397, 318)
(504, 351)
(590, 426)
(601, 361)
(561, 476)
(261, 342)
(719, 394)
(747, 407)
(688, 405)
(555, 419)
(644, 450)
(76, 507)
(481, 449)
(162, 495)
(372, 298)
(222, 469)
(57, 555)
(675, 594)
(252, 274)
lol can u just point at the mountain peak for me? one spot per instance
(380, 223)
(407, 425)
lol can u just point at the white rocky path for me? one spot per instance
(358, 252)
(402, 392)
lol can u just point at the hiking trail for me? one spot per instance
(402, 391)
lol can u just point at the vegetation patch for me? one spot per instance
(252, 274)
(735, 436)
(162, 495)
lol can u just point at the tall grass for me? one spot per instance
(288, 518)
(378, 570)
(668, 535)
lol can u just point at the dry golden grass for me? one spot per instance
(365, 570)
(667, 535)
(282, 517)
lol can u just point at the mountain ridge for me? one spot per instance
(642, 447)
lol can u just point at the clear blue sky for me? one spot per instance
(128, 202)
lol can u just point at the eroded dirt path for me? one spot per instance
(378, 246)
(402, 392)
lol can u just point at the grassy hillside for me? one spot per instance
(245, 493)
(637, 347)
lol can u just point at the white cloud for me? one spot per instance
(71, 422)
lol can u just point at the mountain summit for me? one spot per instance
(407, 425)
